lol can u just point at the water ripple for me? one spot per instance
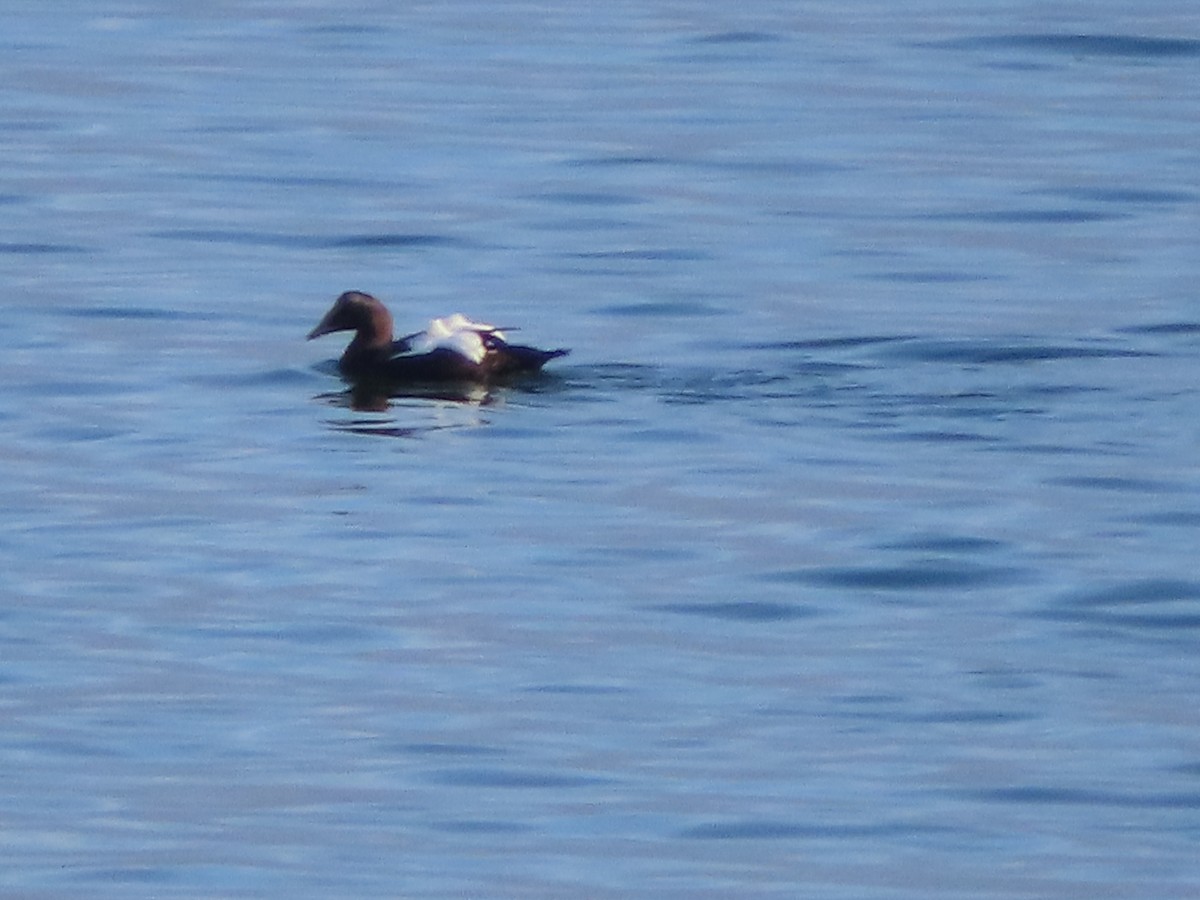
(1111, 45)
(1062, 216)
(644, 254)
(1117, 483)
(307, 241)
(745, 611)
(664, 308)
(831, 343)
(138, 312)
(1158, 604)
(1125, 196)
(590, 198)
(775, 830)
(736, 37)
(447, 749)
(1008, 351)
(40, 249)
(937, 575)
(1169, 328)
(511, 778)
(1040, 794)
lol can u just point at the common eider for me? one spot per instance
(449, 349)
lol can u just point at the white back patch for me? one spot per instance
(456, 333)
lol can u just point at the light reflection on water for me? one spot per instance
(849, 554)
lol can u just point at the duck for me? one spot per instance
(453, 348)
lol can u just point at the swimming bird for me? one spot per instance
(449, 349)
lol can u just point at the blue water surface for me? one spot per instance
(852, 552)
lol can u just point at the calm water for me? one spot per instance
(851, 554)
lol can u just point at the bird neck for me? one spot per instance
(374, 332)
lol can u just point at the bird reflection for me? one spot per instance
(377, 398)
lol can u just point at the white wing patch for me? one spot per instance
(457, 333)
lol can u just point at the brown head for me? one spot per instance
(360, 313)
